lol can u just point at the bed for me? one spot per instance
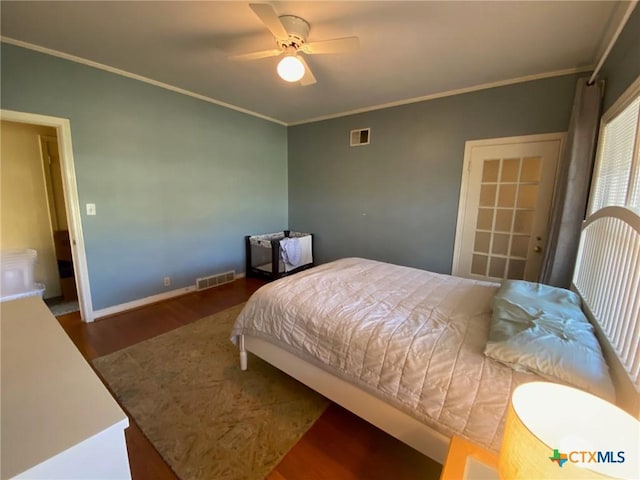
(402, 348)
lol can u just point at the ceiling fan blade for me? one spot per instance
(337, 45)
(267, 14)
(308, 78)
(256, 55)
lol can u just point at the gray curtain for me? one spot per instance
(572, 186)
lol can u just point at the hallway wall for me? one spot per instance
(24, 214)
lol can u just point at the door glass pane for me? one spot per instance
(487, 195)
(503, 220)
(481, 244)
(507, 196)
(519, 245)
(530, 169)
(523, 221)
(510, 167)
(516, 269)
(527, 196)
(485, 219)
(490, 171)
(500, 244)
(479, 264)
(497, 266)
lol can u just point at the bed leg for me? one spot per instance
(243, 354)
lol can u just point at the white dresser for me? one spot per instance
(58, 419)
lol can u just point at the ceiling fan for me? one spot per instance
(291, 34)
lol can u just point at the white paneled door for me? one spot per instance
(505, 199)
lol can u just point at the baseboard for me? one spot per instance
(105, 312)
(123, 307)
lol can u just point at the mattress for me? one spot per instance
(413, 338)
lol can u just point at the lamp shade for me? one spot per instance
(554, 431)
(290, 68)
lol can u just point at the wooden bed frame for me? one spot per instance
(607, 268)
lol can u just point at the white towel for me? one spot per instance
(290, 253)
(305, 252)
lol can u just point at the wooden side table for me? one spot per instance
(468, 461)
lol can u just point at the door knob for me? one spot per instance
(537, 249)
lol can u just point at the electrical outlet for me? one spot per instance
(167, 281)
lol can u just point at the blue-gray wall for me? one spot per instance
(396, 199)
(622, 66)
(177, 181)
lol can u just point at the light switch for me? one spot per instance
(91, 208)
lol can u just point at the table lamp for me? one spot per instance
(554, 431)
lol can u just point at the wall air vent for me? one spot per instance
(215, 280)
(359, 137)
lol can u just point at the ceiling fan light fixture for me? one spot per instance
(290, 68)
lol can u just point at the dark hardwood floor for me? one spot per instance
(339, 446)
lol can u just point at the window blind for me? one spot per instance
(614, 185)
(633, 201)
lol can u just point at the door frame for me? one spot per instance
(469, 145)
(71, 200)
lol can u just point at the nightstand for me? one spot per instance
(468, 461)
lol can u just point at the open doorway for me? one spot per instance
(67, 299)
(56, 219)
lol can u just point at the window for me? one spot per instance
(607, 273)
(617, 177)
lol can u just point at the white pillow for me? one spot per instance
(542, 329)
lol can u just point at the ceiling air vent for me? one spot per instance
(359, 137)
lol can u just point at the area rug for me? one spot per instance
(207, 418)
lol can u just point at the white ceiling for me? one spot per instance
(409, 50)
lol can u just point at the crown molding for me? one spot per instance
(448, 93)
(134, 76)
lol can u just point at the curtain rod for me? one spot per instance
(613, 40)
